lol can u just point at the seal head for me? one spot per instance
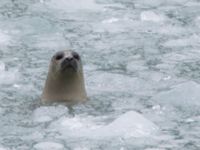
(65, 80)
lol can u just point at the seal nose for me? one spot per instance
(68, 59)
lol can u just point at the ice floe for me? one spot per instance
(184, 94)
(45, 114)
(73, 5)
(4, 38)
(151, 16)
(8, 76)
(49, 146)
(129, 124)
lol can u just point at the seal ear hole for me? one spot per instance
(76, 55)
(59, 56)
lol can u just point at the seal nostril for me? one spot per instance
(69, 59)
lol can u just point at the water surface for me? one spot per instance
(141, 64)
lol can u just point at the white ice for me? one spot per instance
(81, 148)
(185, 41)
(129, 124)
(45, 114)
(136, 66)
(4, 38)
(111, 82)
(185, 94)
(8, 76)
(154, 149)
(111, 20)
(171, 30)
(197, 21)
(49, 41)
(2, 148)
(151, 16)
(73, 5)
(156, 3)
(49, 146)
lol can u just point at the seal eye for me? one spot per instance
(59, 56)
(76, 55)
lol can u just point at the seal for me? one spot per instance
(65, 79)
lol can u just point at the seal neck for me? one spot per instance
(65, 87)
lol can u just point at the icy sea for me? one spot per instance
(142, 69)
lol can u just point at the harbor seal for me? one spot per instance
(65, 79)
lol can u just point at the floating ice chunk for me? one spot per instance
(4, 38)
(167, 78)
(111, 27)
(189, 120)
(152, 76)
(151, 16)
(197, 21)
(156, 3)
(130, 124)
(177, 43)
(1, 148)
(16, 85)
(134, 66)
(192, 4)
(156, 107)
(145, 3)
(192, 40)
(175, 2)
(172, 30)
(55, 41)
(1, 110)
(154, 149)
(111, 20)
(81, 148)
(32, 136)
(45, 114)
(49, 146)
(73, 5)
(185, 94)
(7, 77)
(78, 123)
(193, 119)
(2, 67)
(72, 123)
(43, 119)
(111, 82)
(41, 1)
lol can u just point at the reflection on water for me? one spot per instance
(141, 67)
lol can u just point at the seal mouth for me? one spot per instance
(69, 64)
